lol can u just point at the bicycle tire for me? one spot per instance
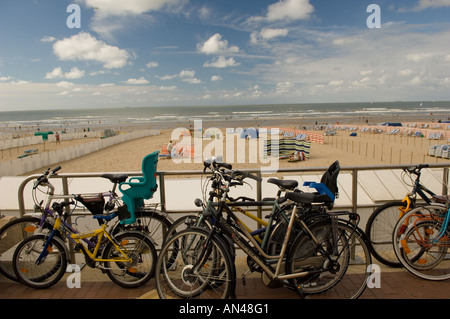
(11, 234)
(155, 223)
(345, 279)
(415, 246)
(216, 277)
(52, 267)
(142, 252)
(379, 229)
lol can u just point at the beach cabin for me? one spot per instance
(249, 133)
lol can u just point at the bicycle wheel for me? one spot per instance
(199, 271)
(152, 221)
(337, 264)
(51, 268)
(11, 234)
(379, 229)
(142, 254)
(422, 239)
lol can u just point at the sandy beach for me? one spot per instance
(366, 148)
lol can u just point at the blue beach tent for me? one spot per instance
(249, 133)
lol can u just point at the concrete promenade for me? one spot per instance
(395, 284)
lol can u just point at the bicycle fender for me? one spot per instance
(63, 243)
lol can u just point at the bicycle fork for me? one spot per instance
(46, 250)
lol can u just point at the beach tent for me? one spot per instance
(249, 133)
(284, 147)
(391, 124)
(353, 134)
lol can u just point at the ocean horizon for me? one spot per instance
(159, 116)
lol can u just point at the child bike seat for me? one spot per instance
(327, 189)
(139, 188)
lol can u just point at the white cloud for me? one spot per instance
(185, 76)
(417, 57)
(167, 88)
(215, 45)
(152, 64)
(405, 72)
(345, 40)
(64, 84)
(267, 34)
(84, 47)
(221, 62)
(189, 76)
(287, 10)
(336, 83)
(129, 7)
(48, 39)
(426, 4)
(113, 16)
(74, 73)
(283, 87)
(21, 82)
(139, 81)
(216, 78)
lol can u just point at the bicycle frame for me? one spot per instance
(254, 251)
(99, 234)
(248, 243)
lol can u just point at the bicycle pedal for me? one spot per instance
(244, 280)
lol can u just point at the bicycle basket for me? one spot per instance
(95, 203)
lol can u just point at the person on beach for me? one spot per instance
(57, 138)
(169, 148)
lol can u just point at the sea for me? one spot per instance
(169, 116)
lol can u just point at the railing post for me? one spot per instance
(445, 181)
(162, 191)
(259, 196)
(354, 190)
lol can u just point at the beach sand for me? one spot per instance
(363, 149)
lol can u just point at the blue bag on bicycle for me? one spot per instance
(139, 188)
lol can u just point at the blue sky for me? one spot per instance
(220, 52)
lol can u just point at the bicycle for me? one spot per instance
(128, 258)
(421, 241)
(317, 262)
(148, 218)
(382, 221)
(236, 204)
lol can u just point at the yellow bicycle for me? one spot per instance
(128, 258)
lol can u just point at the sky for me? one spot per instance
(58, 54)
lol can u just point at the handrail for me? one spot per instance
(162, 175)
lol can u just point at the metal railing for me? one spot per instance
(354, 170)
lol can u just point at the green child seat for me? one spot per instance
(139, 188)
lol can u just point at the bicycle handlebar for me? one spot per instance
(228, 173)
(416, 170)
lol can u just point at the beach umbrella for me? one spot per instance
(44, 135)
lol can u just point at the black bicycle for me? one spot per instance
(323, 254)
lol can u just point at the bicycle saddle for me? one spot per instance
(286, 184)
(115, 178)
